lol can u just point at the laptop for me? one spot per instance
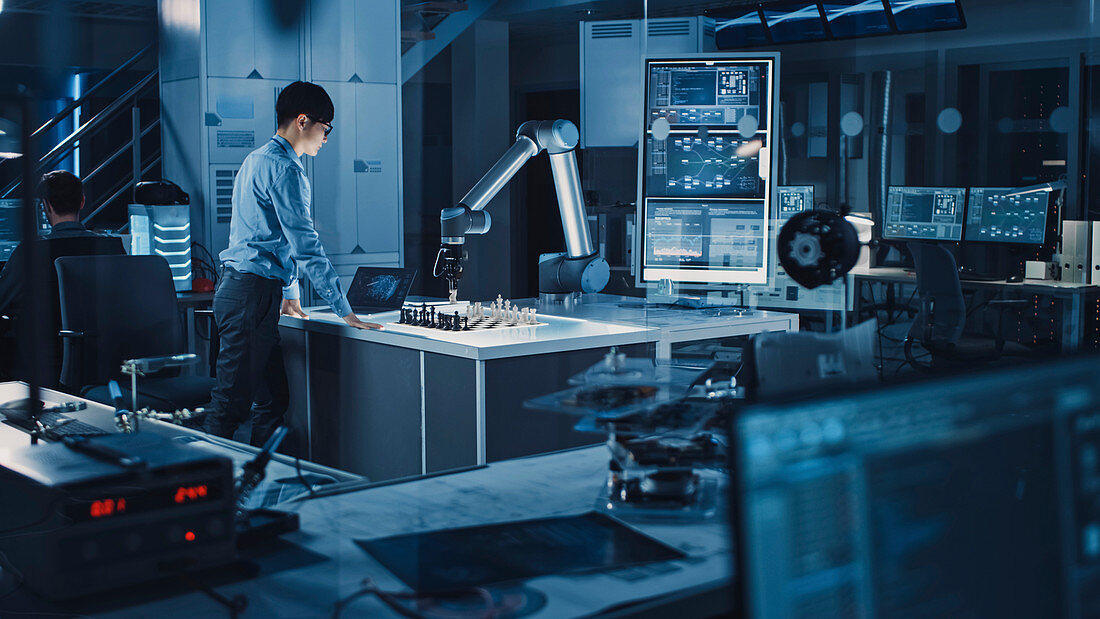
(379, 289)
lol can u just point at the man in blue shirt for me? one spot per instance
(271, 234)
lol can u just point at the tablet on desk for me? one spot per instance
(379, 289)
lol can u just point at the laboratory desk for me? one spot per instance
(1070, 296)
(321, 564)
(408, 400)
(282, 472)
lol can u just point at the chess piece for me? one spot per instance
(534, 320)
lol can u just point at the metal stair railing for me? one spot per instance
(96, 124)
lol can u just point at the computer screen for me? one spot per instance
(11, 225)
(921, 15)
(973, 496)
(793, 199)
(705, 192)
(796, 21)
(992, 217)
(924, 213)
(735, 28)
(856, 18)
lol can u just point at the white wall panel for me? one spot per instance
(377, 171)
(334, 187)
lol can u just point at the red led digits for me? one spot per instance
(107, 507)
(185, 494)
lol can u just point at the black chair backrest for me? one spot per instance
(126, 308)
(942, 316)
(50, 357)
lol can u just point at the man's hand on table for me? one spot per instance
(293, 307)
(354, 321)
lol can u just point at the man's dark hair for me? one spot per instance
(63, 190)
(303, 98)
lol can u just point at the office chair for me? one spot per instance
(941, 321)
(50, 356)
(115, 308)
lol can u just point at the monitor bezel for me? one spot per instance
(705, 278)
(906, 239)
(966, 221)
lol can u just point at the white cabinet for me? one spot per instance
(377, 171)
(353, 40)
(244, 38)
(335, 206)
(356, 204)
(240, 116)
(611, 71)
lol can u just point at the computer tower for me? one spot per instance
(1075, 251)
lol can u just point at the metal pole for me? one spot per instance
(135, 116)
(36, 339)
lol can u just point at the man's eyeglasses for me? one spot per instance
(328, 126)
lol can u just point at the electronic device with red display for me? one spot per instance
(75, 522)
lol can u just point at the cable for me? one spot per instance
(392, 600)
(302, 479)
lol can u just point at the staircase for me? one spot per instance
(95, 129)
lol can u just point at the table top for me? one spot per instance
(1048, 286)
(559, 484)
(596, 321)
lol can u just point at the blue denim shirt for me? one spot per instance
(271, 231)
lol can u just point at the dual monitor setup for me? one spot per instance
(983, 218)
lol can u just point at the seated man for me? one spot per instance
(62, 196)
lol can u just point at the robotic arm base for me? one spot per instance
(559, 274)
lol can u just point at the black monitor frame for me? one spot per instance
(966, 221)
(830, 35)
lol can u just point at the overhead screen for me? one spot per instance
(796, 22)
(705, 194)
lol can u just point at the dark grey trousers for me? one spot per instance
(251, 378)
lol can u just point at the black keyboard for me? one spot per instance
(20, 419)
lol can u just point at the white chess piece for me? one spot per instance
(534, 320)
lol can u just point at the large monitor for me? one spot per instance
(11, 226)
(705, 191)
(924, 214)
(994, 218)
(968, 497)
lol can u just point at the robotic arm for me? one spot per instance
(579, 268)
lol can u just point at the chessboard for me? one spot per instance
(499, 314)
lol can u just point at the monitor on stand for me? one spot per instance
(706, 192)
(924, 214)
(999, 227)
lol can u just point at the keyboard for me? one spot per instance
(20, 419)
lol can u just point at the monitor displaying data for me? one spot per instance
(792, 200)
(705, 196)
(717, 164)
(11, 226)
(716, 239)
(971, 496)
(924, 213)
(711, 94)
(993, 217)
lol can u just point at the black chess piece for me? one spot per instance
(465, 323)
